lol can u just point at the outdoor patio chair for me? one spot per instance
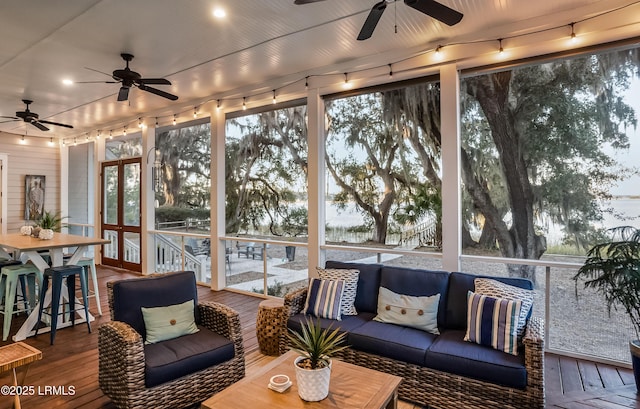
(245, 249)
(167, 373)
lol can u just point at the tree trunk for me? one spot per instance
(520, 239)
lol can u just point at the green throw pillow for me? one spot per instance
(409, 311)
(173, 321)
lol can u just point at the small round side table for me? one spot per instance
(269, 324)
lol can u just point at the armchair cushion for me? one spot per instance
(129, 296)
(451, 353)
(172, 321)
(171, 359)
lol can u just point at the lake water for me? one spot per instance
(625, 212)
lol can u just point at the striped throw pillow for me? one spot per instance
(493, 322)
(324, 298)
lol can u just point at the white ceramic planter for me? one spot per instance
(46, 234)
(313, 384)
(26, 230)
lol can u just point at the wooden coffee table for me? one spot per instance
(352, 387)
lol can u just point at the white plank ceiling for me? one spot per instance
(259, 43)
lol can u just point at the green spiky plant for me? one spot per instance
(316, 344)
(50, 220)
(613, 270)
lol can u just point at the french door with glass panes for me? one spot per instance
(121, 213)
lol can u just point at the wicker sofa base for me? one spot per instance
(443, 390)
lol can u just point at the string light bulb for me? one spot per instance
(218, 105)
(124, 131)
(174, 120)
(244, 103)
(274, 100)
(87, 136)
(573, 32)
(22, 141)
(438, 52)
(75, 141)
(140, 123)
(156, 122)
(500, 50)
(98, 134)
(346, 84)
(64, 143)
(51, 141)
(195, 112)
(306, 82)
(111, 134)
(390, 71)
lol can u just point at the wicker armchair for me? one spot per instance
(123, 368)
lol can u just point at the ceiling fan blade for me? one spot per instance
(55, 123)
(123, 95)
(158, 92)
(372, 20)
(39, 125)
(10, 117)
(157, 81)
(95, 82)
(93, 69)
(436, 10)
(306, 1)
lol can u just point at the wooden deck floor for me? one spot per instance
(73, 361)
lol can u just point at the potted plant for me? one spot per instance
(313, 367)
(613, 269)
(47, 224)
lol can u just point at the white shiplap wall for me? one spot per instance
(33, 157)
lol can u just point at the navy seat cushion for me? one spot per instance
(348, 323)
(169, 289)
(392, 341)
(171, 359)
(418, 283)
(459, 285)
(450, 353)
(368, 283)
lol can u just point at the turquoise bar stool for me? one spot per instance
(57, 275)
(89, 266)
(9, 278)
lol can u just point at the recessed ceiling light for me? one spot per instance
(219, 13)
(67, 81)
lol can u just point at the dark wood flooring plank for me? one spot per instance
(603, 404)
(610, 376)
(590, 376)
(570, 375)
(552, 379)
(627, 376)
(622, 400)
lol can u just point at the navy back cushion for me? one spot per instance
(460, 284)
(368, 284)
(417, 283)
(169, 289)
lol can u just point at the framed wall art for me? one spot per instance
(34, 188)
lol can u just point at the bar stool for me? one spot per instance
(89, 266)
(57, 275)
(10, 275)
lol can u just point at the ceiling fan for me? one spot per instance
(129, 78)
(32, 118)
(429, 7)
